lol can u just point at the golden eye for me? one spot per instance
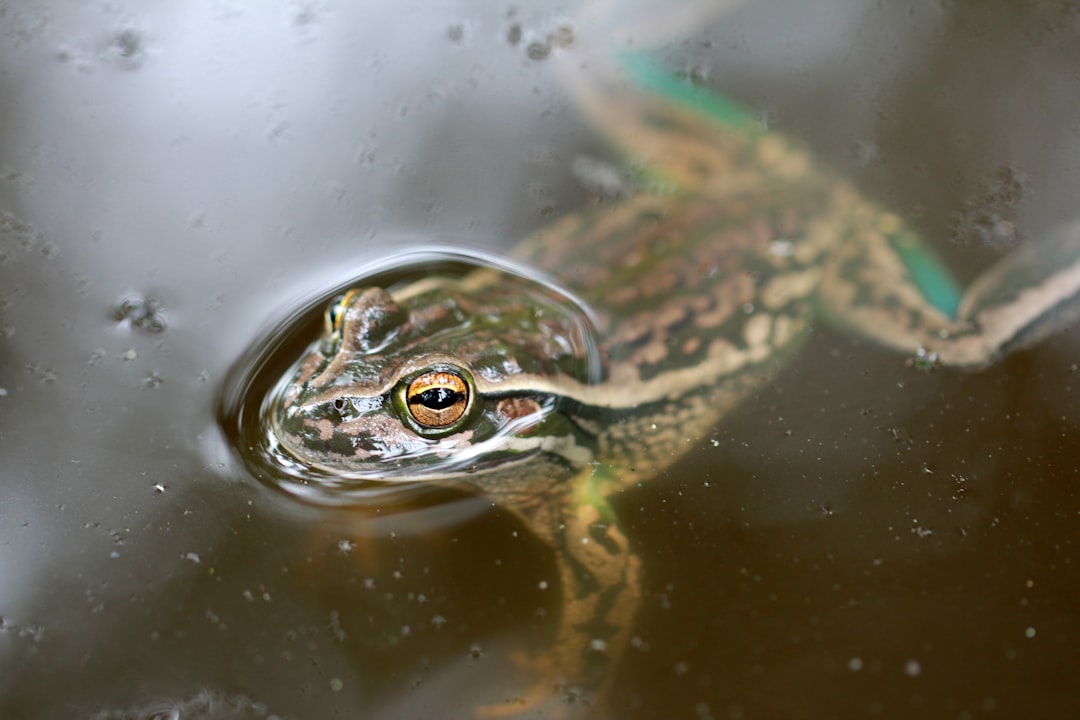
(437, 399)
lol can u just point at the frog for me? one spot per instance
(613, 340)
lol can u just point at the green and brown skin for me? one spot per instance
(699, 292)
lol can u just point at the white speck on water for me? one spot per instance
(336, 684)
(855, 664)
(597, 645)
(159, 487)
(1029, 633)
(543, 584)
(44, 374)
(193, 557)
(438, 621)
(129, 355)
(3, 392)
(345, 547)
(912, 668)
(335, 626)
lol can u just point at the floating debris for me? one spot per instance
(141, 313)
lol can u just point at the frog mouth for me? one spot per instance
(343, 454)
(399, 471)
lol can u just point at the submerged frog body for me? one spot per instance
(645, 323)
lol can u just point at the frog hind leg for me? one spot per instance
(600, 579)
(883, 284)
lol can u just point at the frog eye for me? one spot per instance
(437, 399)
(335, 312)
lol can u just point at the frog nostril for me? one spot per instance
(341, 404)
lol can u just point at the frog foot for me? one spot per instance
(599, 577)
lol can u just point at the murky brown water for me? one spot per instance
(861, 540)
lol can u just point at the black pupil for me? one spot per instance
(438, 398)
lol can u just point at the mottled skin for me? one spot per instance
(699, 288)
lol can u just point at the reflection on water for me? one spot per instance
(858, 539)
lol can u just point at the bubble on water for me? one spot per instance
(514, 34)
(204, 704)
(152, 379)
(912, 668)
(15, 232)
(126, 48)
(141, 313)
(538, 50)
(855, 664)
(866, 152)
(33, 633)
(303, 14)
(921, 532)
(984, 217)
(44, 374)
